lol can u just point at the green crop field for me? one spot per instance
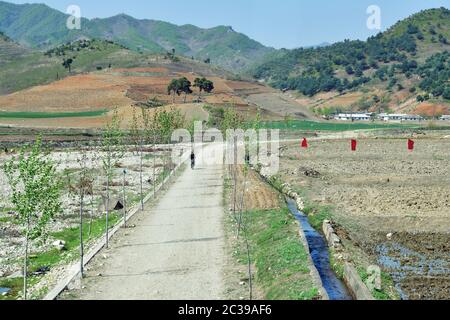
(50, 115)
(333, 126)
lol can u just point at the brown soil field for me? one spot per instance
(400, 101)
(85, 92)
(281, 104)
(384, 189)
(116, 88)
(430, 109)
(258, 194)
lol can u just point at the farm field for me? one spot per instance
(86, 100)
(130, 168)
(65, 227)
(391, 205)
(304, 125)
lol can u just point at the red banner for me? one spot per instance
(305, 143)
(354, 145)
(410, 145)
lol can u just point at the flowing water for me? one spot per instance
(319, 250)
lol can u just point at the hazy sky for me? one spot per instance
(276, 23)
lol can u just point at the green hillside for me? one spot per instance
(21, 68)
(412, 55)
(9, 50)
(39, 26)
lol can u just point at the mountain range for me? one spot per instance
(412, 57)
(39, 26)
(410, 61)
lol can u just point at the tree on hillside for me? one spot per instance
(178, 86)
(35, 194)
(67, 63)
(203, 84)
(185, 87)
(446, 93)
(174, 88)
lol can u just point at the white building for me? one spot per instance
(353, 117)
(400, 117)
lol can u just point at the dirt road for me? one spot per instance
(176, 250)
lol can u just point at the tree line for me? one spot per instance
(37, 187)
(180, 86)
(314, 70)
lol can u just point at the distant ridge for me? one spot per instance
(39, 26)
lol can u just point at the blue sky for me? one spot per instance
(276, 23)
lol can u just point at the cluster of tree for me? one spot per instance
(183, 85)
(311, 85)
(314, 70)
(179, 86)
(435, 74)
(203, 85)
(77, 46)
(355, 57)
(171, 55)
(67, 63)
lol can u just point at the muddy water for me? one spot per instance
(416, 275)
(320, 255)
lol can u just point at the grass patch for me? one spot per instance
(16, 286)
(332, 126)
(386, 292)
(5, 219)
(317, 215)
(281, 259)
(54, 257)
(71, 237)
(50, 115)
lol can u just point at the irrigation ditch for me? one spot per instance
(324, 246)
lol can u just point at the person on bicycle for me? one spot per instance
(192, 160)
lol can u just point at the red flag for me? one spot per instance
(410, 145)
(305, 143)
(354, 145)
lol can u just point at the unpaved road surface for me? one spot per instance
(176, 250)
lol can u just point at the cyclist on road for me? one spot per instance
(192, 160)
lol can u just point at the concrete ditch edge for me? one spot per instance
(300, 206)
